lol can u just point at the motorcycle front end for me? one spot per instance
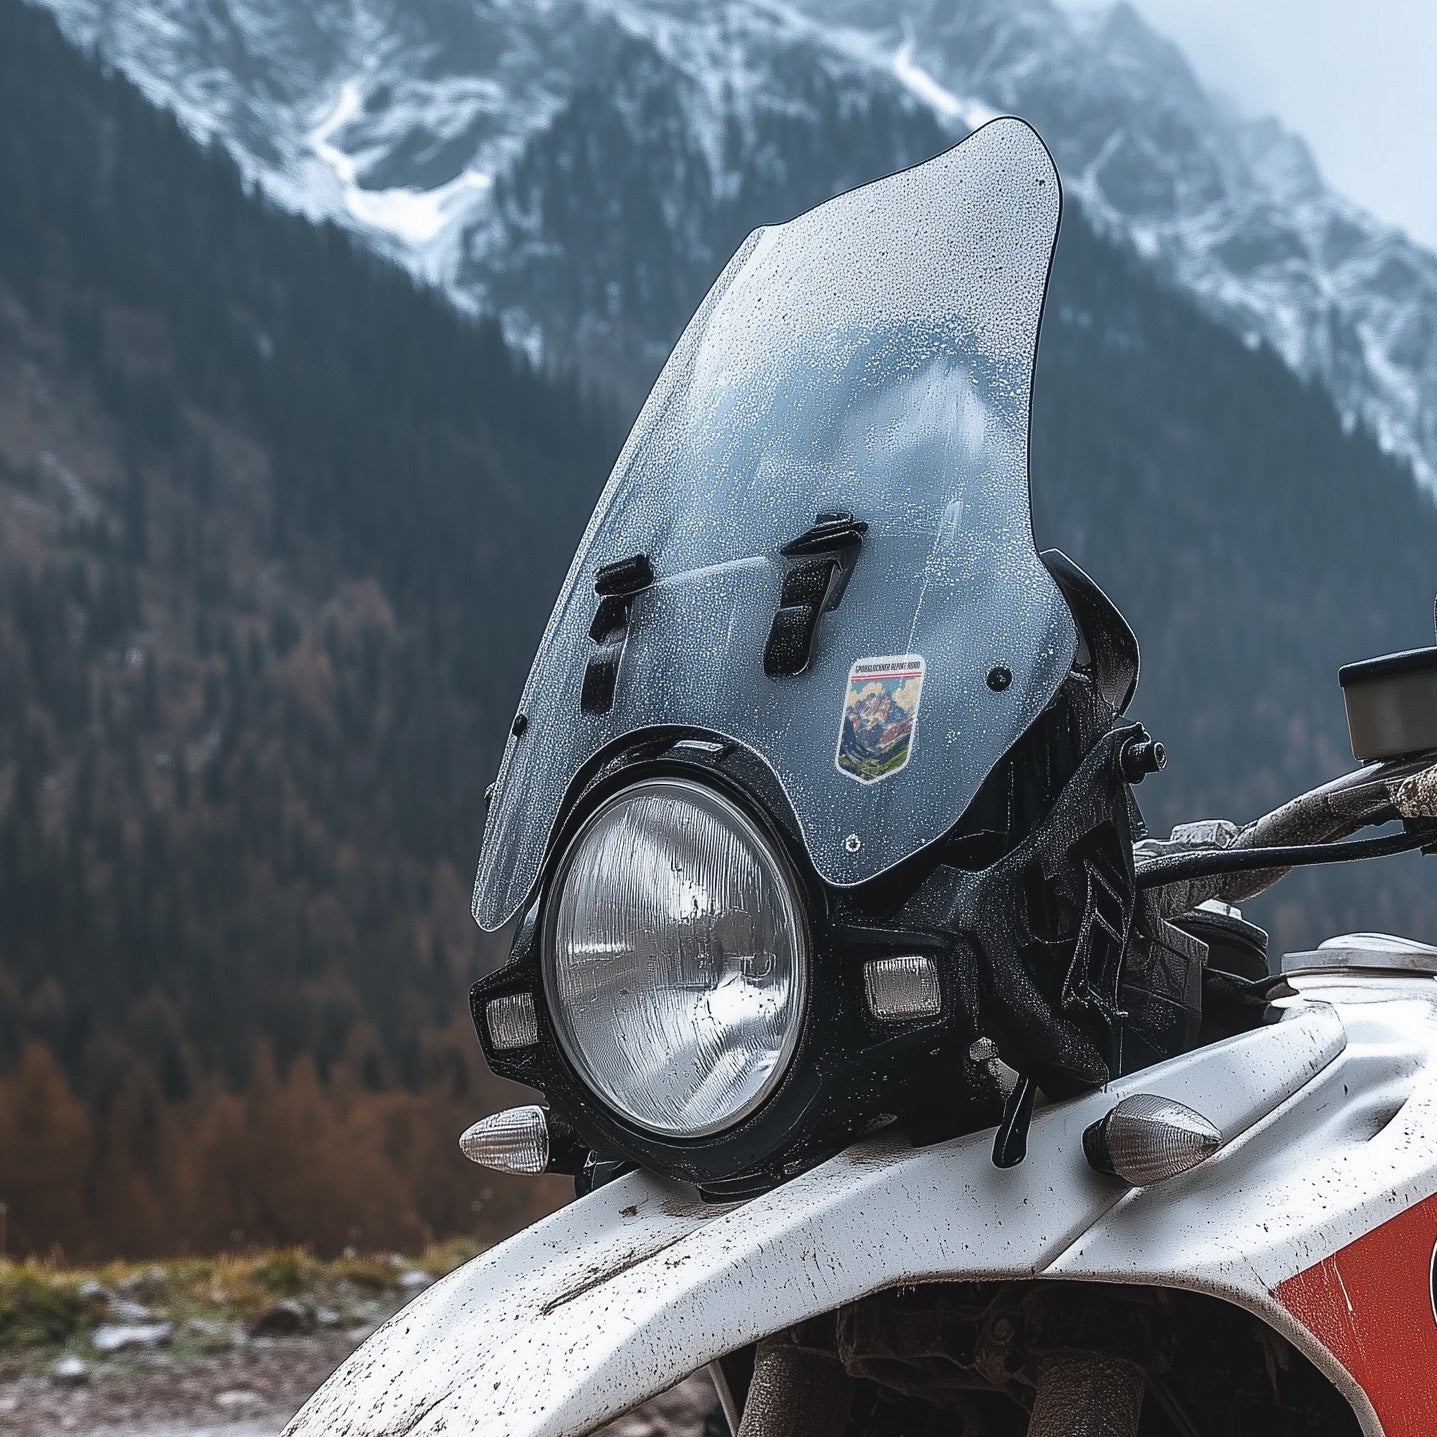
(908, 1085)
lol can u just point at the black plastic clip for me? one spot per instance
(615, 584)
(1010, 1142)
(827, 553)
(828, 534)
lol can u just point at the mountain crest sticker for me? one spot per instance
(880, 716)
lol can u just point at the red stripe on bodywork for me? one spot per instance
(1371, 1306)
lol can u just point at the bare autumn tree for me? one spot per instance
(46, 1156)
(294, 1158)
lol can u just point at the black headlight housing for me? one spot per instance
(846, 1060)
(1027, 913)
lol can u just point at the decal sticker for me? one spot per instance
(1371, 1305)
(880, 717)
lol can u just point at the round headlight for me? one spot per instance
(676, 959)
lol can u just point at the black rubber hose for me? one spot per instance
(1214, 863)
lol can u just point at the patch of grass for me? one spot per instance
(439, 1259)
(369, 1272)
(41, 1308)
(38, 1307)
(287, 1273)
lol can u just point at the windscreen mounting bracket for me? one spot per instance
(824, 556)
(616, 585)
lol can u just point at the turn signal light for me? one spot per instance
(898, 988)
(514, 1141)
(1147, 1138)
(513, 1023)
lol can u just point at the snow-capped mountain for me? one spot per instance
(584, 166)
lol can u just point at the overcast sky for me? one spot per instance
(1356, 78)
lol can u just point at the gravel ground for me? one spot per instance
(249, 1392)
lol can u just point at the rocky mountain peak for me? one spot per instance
(418, 122)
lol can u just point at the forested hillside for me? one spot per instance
(278, 531)
(612, 221)
(1254, 545)
(276, 534)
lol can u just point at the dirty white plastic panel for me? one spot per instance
(617, 1297)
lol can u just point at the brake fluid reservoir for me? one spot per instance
(1392, 705)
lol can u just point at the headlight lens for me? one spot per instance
(676, 959)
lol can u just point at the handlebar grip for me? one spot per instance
(1416, 797)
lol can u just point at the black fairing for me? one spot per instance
(1071, 980)
(1029, 909)
(1106, 642)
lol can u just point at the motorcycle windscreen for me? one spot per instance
(874, 356)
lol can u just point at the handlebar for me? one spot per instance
(1306, 829)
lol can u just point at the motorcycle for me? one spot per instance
(908, 1084)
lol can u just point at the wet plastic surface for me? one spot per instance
(872, 356)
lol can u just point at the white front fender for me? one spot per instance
(618, 1296)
